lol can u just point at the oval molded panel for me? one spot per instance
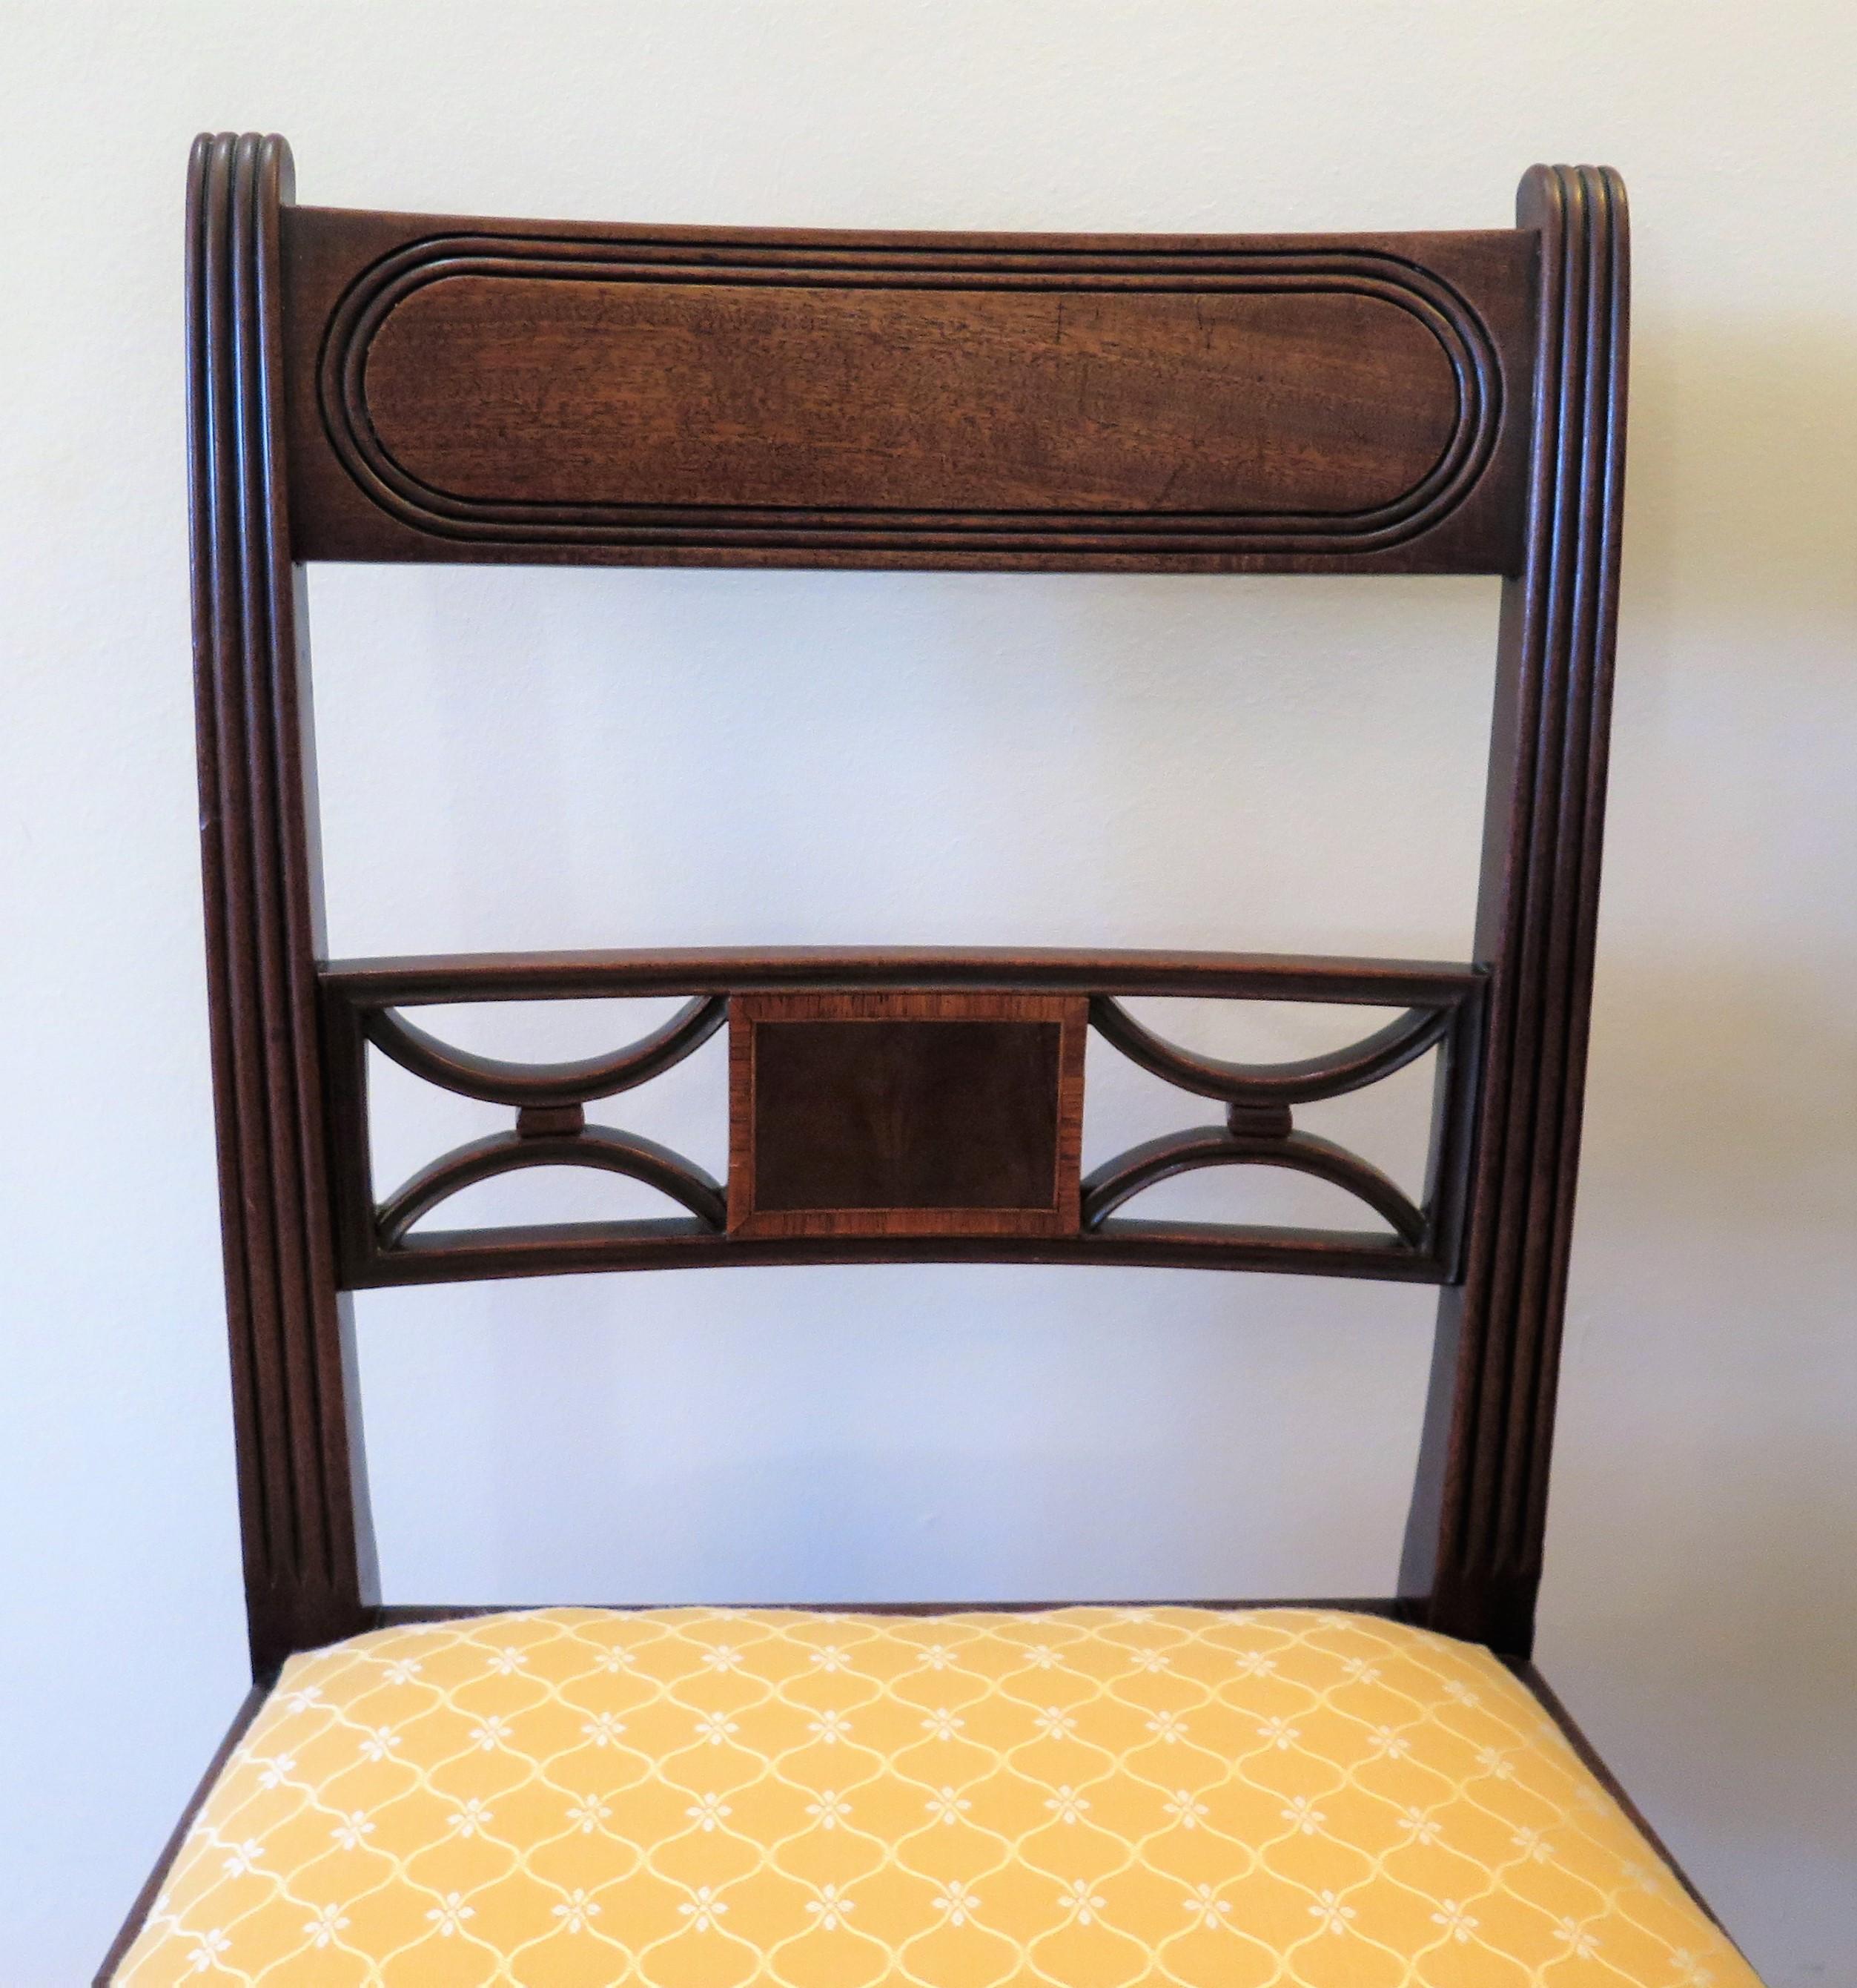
(569, 392)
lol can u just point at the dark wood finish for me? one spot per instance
(568, 976)
(1251, 1086)
(388, 387)
(1260, 1128)
(532, 1086)
(896, 1114)
(307, 1551)
(1131, 1173)
(398, 1614)
(565, 1249)
(145, 1898)
(477, 389)
(1479, 1515)
(598, 1147)
(378, 1245)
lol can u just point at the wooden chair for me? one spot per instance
(385, 387)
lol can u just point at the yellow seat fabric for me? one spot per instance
(1088, 1797)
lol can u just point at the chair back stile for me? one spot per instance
(384, 386)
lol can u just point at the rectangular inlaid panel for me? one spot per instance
(905, 1114)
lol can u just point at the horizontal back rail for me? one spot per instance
(902, 1108)
(509, 391)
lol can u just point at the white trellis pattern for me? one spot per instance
(706, 1798)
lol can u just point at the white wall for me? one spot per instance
(518, 758)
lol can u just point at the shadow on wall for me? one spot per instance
(1699, 1611)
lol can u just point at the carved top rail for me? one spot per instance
(471, 389)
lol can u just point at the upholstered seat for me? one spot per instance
(701, 1797)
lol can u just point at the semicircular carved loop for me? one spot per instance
(1400, 1042)
(1142, 1167)
(496, 1082)
(508, 1152)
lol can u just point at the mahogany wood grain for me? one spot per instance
(895, 1114)
(1479, 1515)
(307, 1546)
(473, 389)
(1235, 976)
(364, 1001)
(565, 1249)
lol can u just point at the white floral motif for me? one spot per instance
(403, 1670)
(1690, 1973)
(352, 1827)
(1167, 1727)
(1533, 1845)
(1385, 1744)
(829, 1657)
(1253, 1663)
(1204, 1907)
(1456, 1920)
(1333, 1914)
(703, 1908)
(1042, 1657)
(602, 1729)
(207, 1950)
(323, 1928)
(829, 1908)
(469, 1818)
(1491, 1762)
(1055, 1723)
(587, 1815)
(830, 1810)
(574, 1910)
(946, 1805)
(612, 1661)
(715, 1727)
(277, 1770)
(1581, 1944)
(943, 1724)
(507, 1662)
(301, 1701)
(938, 1657)
(1184, 1810)
(1420, 1825)
(829, 1727)
(723, 1657)
(377, 1741)
(1078, 1902)
(450, 1914)
(956, 1902)
(1303, 1816)
(1360, 1671)
(490, 1734)
(1068, 1805)
(1151, 1660)
(1456, 1689)
(707, 1812)
(244, 1857)
(1280, 1733)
